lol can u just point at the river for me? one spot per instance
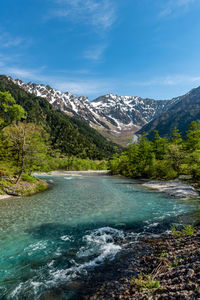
(50, 239)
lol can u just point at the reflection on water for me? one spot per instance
(51, 238)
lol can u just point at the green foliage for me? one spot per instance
(1, 192)
(176, 137)
(159, 146)
(72, 164)
(4, 183)
(161, 158)
(144, 282)
(176, 262)
(193, 137)
(192, 164)
(26, 147)
(41, 187)
(182, 230)
(28, 178)
(164, 254)
(9, 110)
(31, 188)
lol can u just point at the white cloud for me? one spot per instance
(22, 73)
(95, 53)
(170, 80)
(81, 87)
(175, 7)
(98, 13)
(75, 85)
(8, 41)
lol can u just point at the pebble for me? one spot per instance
(190, 272)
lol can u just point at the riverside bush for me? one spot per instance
(182, 230)
(145, 282)
(28, 178)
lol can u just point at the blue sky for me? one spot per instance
(149, 48)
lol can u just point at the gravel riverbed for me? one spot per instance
(174, 262)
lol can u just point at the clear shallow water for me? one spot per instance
(51, 238)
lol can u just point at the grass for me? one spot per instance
(4, 184)
(182, 230)
(145, 282)
(2, 192)
(176, 262)
(33, 188)
(164, 254)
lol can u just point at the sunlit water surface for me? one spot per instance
(51, 238)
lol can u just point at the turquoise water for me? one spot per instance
(51, 238)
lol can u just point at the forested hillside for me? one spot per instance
(70, 136)
(185, 110)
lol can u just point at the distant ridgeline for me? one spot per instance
(69, 135)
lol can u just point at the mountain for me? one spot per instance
(182, 111)
(116, 117)
(69, 135)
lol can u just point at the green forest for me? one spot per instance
(25, 147)
(161, 158)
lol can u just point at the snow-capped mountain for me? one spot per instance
(118, 117)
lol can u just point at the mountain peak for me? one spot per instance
(115, 116)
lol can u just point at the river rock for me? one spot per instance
(11, 192)
(190, 272)
(173, 188)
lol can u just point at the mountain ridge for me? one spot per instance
(121, 118)
(116, 117)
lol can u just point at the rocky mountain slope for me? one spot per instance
(120, 117)
(116, 117)
(184, 110)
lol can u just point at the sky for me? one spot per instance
(146, 48)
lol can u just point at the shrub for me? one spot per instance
(145, 282)
(28, 178)
(163, 170)
(2, 192)
(184, 230)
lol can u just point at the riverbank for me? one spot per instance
(27, 187)
(165, 267)
(2, 197)
(174, 188)
(73, 173)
